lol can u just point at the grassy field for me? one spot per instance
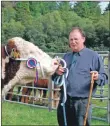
(17, 114)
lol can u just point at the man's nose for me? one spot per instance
(72, 41)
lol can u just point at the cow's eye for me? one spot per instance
(55, 63)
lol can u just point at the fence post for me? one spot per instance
(50, 96)
(101, 93)
(108, 88)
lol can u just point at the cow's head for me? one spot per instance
(49, 65)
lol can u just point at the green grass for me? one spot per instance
(99, 112)
(14, 114)
(17, 114)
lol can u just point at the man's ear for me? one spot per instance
(84, 39)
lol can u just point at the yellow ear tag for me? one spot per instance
(15, 54)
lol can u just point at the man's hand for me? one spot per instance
(60, 70)
(96, 75)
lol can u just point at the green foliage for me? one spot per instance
(103, 31)
(36, 37)
(88, 9)
(23, 13)
(47, 24)
(64, 6)
(8, 13)
(12, 29)
(40, 8)
(53, 27)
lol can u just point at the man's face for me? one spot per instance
(76, 41)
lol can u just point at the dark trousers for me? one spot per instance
(75, 112)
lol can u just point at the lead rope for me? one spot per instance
(60, 81)
(65, 97)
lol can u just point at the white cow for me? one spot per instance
(16, 71)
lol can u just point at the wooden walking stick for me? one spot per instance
(90, 93)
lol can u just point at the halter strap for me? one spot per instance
(6, 51)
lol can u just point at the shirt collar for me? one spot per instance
(81, 52)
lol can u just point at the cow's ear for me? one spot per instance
(11, 43)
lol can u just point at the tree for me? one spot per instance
(33, 35)
(8, 3)
(103, 30)
(8, 13)
(47, 24)
(12, 29)
(40, 8)
(88, 9)
(53, 27)
(23, 13)
(64, 6)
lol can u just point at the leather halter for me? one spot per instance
(6, 51)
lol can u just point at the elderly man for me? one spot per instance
(81, 62)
